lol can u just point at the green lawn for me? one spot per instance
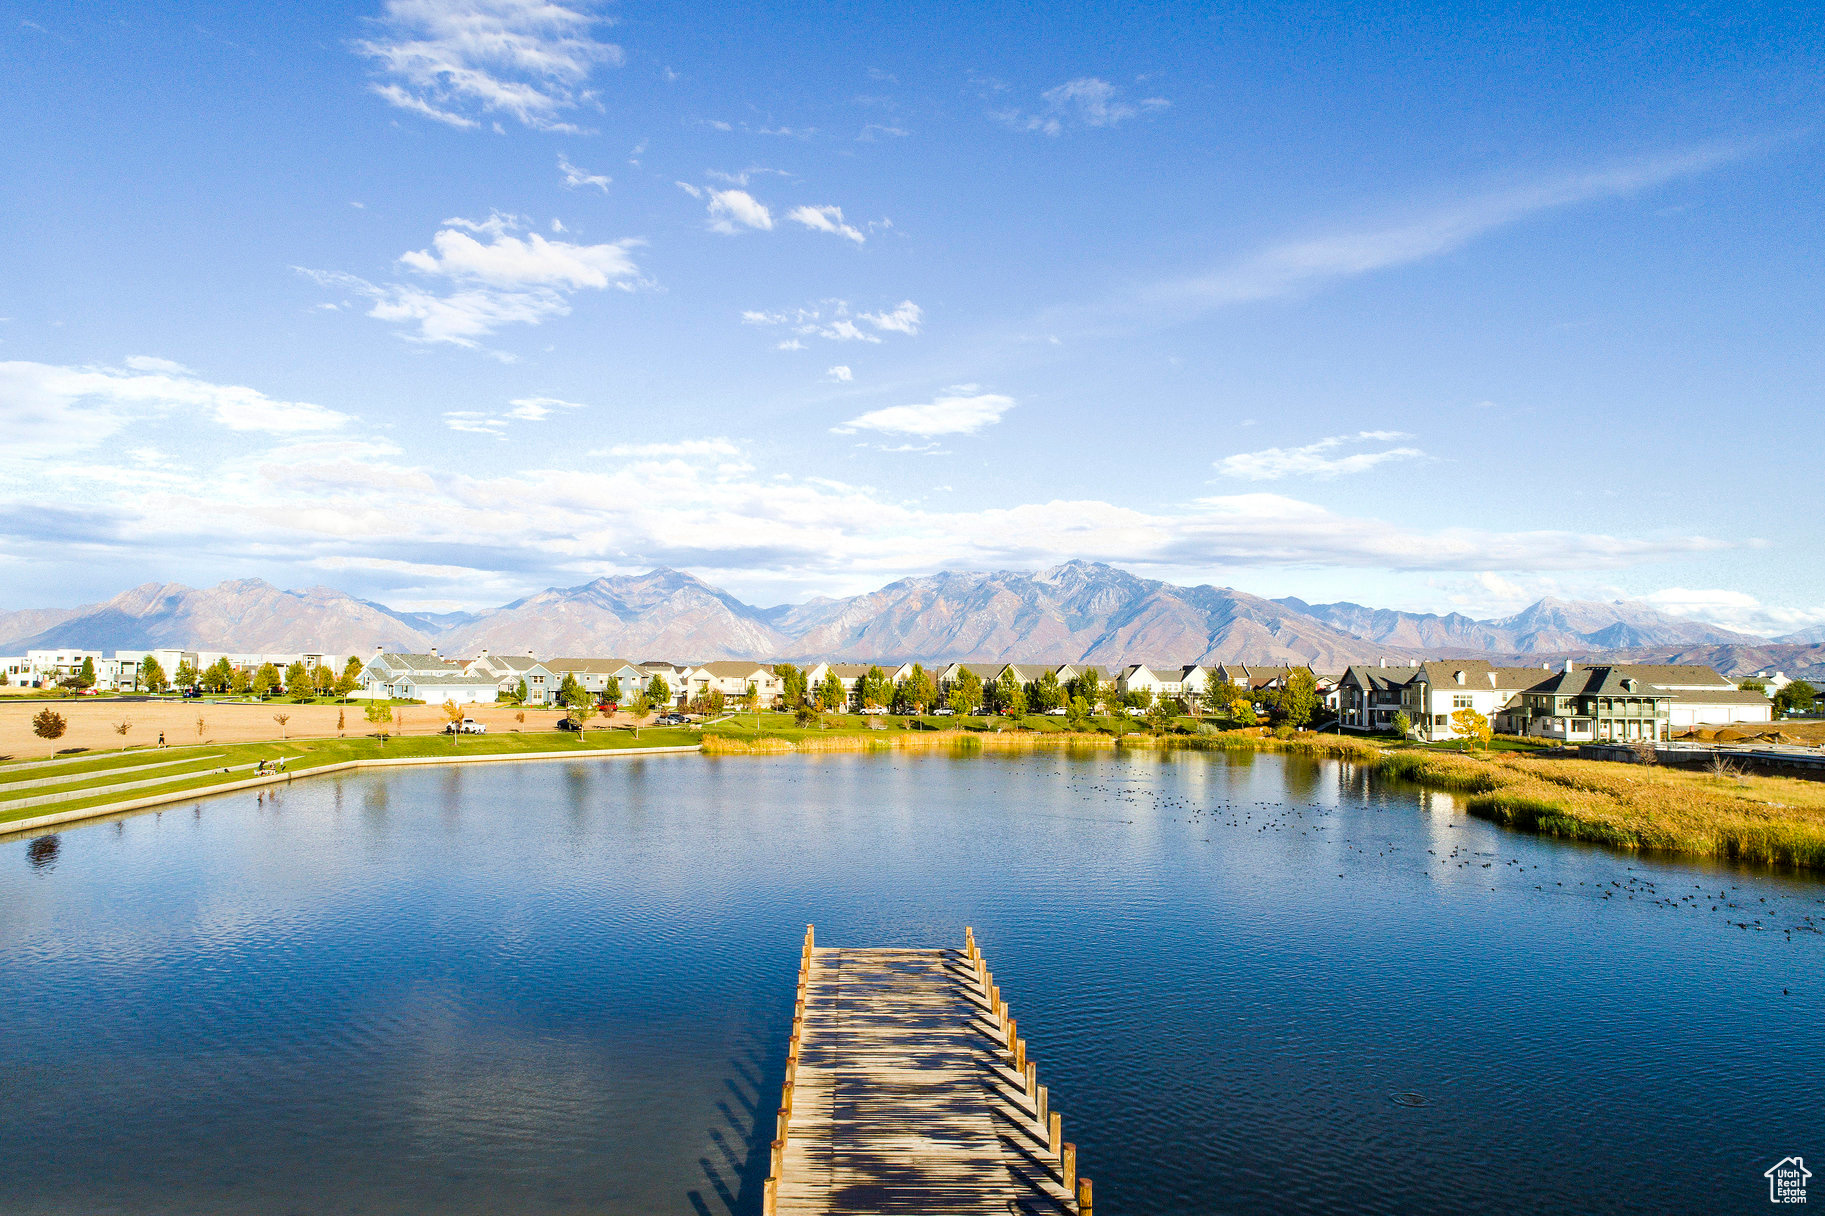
(302, 756)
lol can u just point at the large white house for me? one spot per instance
(731, 678)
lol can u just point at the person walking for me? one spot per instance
(161, 738)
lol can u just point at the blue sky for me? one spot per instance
(444, 301)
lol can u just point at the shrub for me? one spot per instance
(49, 724)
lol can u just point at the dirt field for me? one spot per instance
(91, 723)
(1788, 730)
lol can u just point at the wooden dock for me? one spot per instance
(908, 1090)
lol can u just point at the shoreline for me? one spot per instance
(1773, 822)
(61, 818)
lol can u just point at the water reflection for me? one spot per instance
(566, 988)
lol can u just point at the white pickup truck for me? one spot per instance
(468, 726)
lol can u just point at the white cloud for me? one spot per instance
(1321, 459)
(825, 219)
(521, 409)
(509, 261)
(841, 373)
(693, 191)
(1301, 265)
(1085, 102)
(505, 281)
(46, 409)
(833, 321)
(791, 344)
(678, 449)
(450, 59)
(1733, 610)
(537, 409)
(905, 317)
(945, 415)
(575, 177)
(730, 208)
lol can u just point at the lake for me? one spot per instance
(1253, 983)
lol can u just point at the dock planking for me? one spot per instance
(908, 1090)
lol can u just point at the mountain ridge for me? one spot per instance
(1078, 611)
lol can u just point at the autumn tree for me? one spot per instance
(1089, 686)
(281, 719)
(381, 715)
(1403, 725)
(298, 680)
(265, 680)
(323, 680)
(1077, 713)
(658, 693)
(1472, 727)
(49, 724)
(830, 694)
(1160, 715)
(152, 675)
(185, 676)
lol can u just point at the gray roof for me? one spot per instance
(1601, 681)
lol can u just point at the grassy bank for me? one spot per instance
(200, 769)
(1767, 820)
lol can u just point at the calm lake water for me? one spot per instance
(566, 988)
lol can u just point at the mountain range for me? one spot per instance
(1076, 612)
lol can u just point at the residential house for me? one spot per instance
(1436, 690)
(1597, 704)
(389, 674)
(17, 671)
(676, 677)
(508, 671)
(1164, 680)
(593, 676)
(1370, 697)
(848, 674)
(437, 687)
(731, 678)
(1702, 697)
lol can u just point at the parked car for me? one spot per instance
(569, 724)
(670, 720)
(468, 726)
(1055, 713)
(943, 711)
(192, 694)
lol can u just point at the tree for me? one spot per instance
(49, 724)
(569, 690)
(519, 694)
(1471, 726)
(201, 726)
(876, 692)
(1048, 694)
(916, 693)
(999, 696)
(1403, 725)
(1752, 685)
(1797, 698)
(381, 715)
(265, 680)
(341, 721)
(960, 704)
(240, 683)
(1241, 709)
(581, 712)
(1077, 713)
(1089, 686)
(1299, 701)
(347, 683)
(793, 687)
(1139, 698)
(152, 675)
(281, 719)
(639, 707)
(185, 676)
(298, 680)
(611, 690)
(1015, 705)
(351, 671)
(323, 680)
(969, 687)
(85, 678)
(658, 692)
(830, 694)
(1160, 715)
(220, 676)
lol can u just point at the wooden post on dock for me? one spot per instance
(1067, 1160)
(1083, 1197)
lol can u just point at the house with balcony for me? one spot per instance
(732, 677)
(389, 675)
(593, 675)
(1598, 704)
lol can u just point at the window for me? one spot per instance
(1438, 719)
(1460, 701)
